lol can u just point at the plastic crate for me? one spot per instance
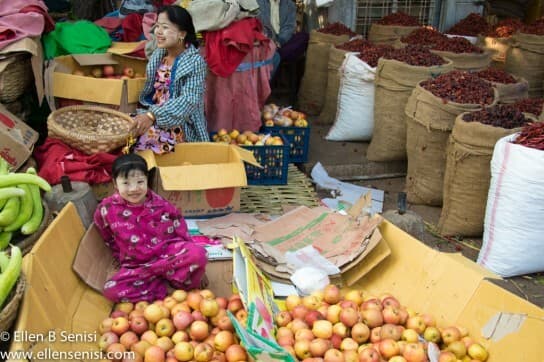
(275, 162)
(298, 138)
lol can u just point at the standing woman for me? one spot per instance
(173, 95)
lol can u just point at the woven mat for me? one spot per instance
(272, 199)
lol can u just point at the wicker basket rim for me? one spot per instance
(8, 313)
(52, 122)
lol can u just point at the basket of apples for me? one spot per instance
(272, 152)
(293, 125)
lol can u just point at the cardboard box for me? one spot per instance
(64, 88)
(17, 139)
(449, 286)
(202, 179)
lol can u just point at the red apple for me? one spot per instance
(128, 338)
(348, 344)
(107, 339)
(120, 325)
(333, 355)
(416, 323)
(390, 331)
(333, 313)
(302, 348)
(390, 302)
(203, 352)
(292, 301)
(391, 315)
(319, 346)
(356, 296)
(116, 350)
(449, 334)
(349, 316)
(283, 318)
(128, 71)
(388, 348)
(304, 333)
(209, 307)
(369, 354)
(199, 331)
(182, 320)
(360, 332)
(108, 70)
(236, 353)
(223, 340)
(105, 325)
(153, 313)
(183, 351)
(164, 327)
(414, 352)
(138, 325)
(155, 354)
(322, 329)
(312, 316)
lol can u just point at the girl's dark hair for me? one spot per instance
(181, 17)
(126, 163)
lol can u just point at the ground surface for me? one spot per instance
(347, 161)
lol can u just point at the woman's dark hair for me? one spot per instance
(126, 163)
(181, 17)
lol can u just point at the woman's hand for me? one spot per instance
(143, 122)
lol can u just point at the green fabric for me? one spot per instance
(80, 37)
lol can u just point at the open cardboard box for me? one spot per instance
(202, 179)
(449, 286)
(64, 88)
(17, 139)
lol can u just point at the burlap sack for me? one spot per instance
(471, 62)
(328, 113)
(388, 34)
(467, 176)
(525, 58)
(429, 122)
(395, 82)
(496, 46)
(314, 81)
(512, 92)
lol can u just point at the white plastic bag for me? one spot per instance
(309, 279)
(355, 115)
(513, 240)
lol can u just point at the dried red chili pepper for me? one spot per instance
(505, 28)
(460, 87)
(496, 75)
(370, 55)
(415, 55)
(423, 36)
(337, 29)
(505, 116)
(530, 105)
(536, 28)
(472, 25)
(456, 45)
(399, 18)
(532, 135)
(355, 45)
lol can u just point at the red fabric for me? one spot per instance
(49, 22)
(226, 48)
(55, 159)
(132, 27)
(237, 101)
(109, 23)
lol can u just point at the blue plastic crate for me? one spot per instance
(275, 162)
(298, 138)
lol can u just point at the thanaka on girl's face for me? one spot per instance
(132, 188)
(166, 32)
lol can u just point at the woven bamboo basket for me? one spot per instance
(15, 78)
(9, 312)
(26, 243)
(90, 129)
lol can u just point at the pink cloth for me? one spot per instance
(237, 101)
(16, 25)
(153, 246)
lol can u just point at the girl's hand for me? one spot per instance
(143, 122)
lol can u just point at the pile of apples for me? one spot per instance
(108, 71)
(246, 138)
(330, 327)
(184, 326)
(274, 115)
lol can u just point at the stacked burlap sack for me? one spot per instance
(525, 57)
(311, 96)
(430, 114)
(395, 81)
(467, 174)
(389, 29)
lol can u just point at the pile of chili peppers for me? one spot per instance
(532, 136)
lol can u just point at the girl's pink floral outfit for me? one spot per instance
(153, 246)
